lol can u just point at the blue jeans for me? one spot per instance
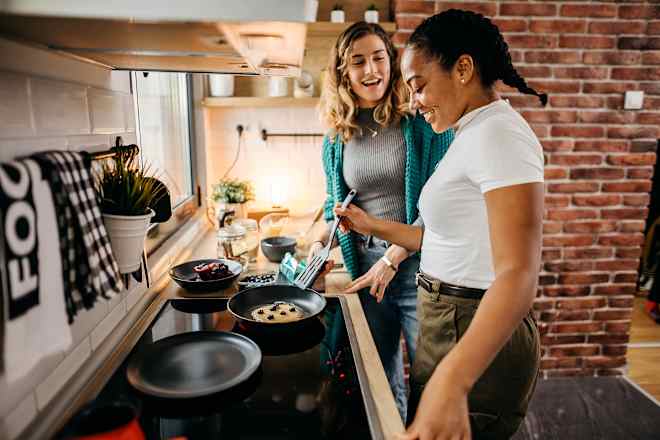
(387, 319)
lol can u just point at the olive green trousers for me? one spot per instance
(498, 401)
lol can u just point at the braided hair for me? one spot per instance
(452, 33)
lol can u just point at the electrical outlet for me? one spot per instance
(634, 100)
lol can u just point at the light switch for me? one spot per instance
(634, 100)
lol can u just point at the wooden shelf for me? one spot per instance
(329, 29)
(254, 101)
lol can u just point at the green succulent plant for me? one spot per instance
(337, 7)
(372, 7)
(232, 191)
(126, 186)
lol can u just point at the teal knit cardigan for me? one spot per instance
(424, 149)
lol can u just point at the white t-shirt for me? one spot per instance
(493, 147)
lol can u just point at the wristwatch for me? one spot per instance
(389, 264)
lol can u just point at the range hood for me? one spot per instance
(247, 37)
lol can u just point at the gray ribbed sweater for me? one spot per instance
(375, 167)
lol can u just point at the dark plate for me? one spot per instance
(185, 276)
(194, 364)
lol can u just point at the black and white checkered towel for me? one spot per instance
(90, 269)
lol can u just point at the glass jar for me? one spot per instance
(251, 235)
(232, 244)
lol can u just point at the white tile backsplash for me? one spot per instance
(129, 113)
(106, 111)
(59, 108)
(64, 371)
(13, 148)
(86, 320)
(15, 115)
(19, 418)
(108, 324)
(89, 142)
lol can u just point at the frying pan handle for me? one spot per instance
(344, 205)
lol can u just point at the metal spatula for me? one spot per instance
(315, 267)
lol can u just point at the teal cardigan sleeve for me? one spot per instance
(328, 160)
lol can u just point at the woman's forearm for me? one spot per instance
(501, 310)
(407, 236)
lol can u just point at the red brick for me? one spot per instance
(588, 253)
(621, 302)
(634, 252)
(421, 7)
(639, 43)
(642, 146)
(617, 27)
(546, 280)
(577, 101)
(543, 304)
(527, 9)
(400, 38)
(613, 265)
(549, 116)
(631, 159)
(640, 74)
(580, 303)
(653, 27)
(581, 10)
(555, 173)
(627, 187)
(558, 26)
(615, 350)
(626, 277)
(648, 117)
(552, 57)
(651, 57)
(573, 315)
(597, 173)
(573, 350)
(606, 117)
(621, 240)
(568, 240)
(557, 144)
(615, 289)
(582, 187)
(633, 132)
(634, 226)
(637, 200)
(639, 11)
(510, 24)
(586, 42)
(571, 214)
(551, 227)
(651, 87)
(605, 362)
(609, 87)
(556, 201)
(580, 72)
(550, 254)
(408, 22)
(651, 103)
(555, 86)
(604, 145)
(583, 278)
(597, 200)
(612, 315)
(625, 213)
(534, 71)
(541, 131)
(608, 339)
(611, 57)
(569, 266)
(617, 327)
(488, 9)
(566, 290)
(639, 173)
(587, 227)
(551, 340)
(579, 131)
(532, 41)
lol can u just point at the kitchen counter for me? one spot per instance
(372, 377)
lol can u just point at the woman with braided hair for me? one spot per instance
(478, 348)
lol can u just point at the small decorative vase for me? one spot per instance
(371, 16)
(337, 16)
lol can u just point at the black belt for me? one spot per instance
(432, 285)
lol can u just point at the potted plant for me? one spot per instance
(128, 191)
(232, 195)
(371, 14)
(337, 14)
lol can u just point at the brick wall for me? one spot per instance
(600, 159)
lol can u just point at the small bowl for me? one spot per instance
(274, 248)
(185, 276)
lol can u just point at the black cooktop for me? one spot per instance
(307, 386)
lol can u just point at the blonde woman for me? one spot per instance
(375, 146)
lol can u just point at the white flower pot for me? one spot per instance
(371, 16)
(337, 16)
(221, 85)
(127, 233)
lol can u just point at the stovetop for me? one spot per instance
(307, 386)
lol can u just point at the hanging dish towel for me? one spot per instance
(34, 318)
(92, 269)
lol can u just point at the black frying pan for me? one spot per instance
(244, 302)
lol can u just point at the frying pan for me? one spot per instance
(244, 302)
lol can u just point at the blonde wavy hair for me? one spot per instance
(338, 105)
